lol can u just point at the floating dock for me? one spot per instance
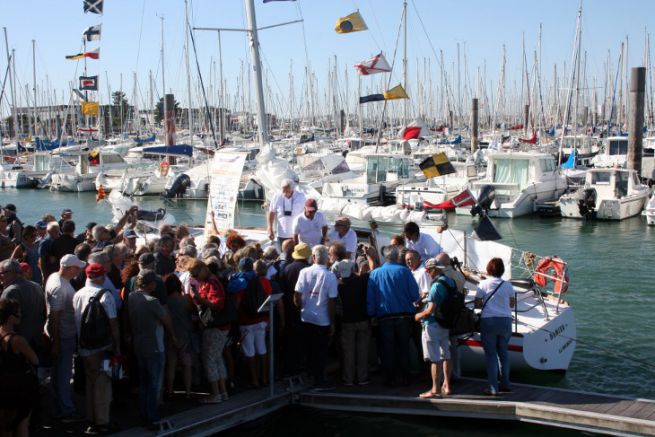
(555, 407)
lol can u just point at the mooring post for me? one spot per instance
(526, 119)
(636, 124)
(474, 126)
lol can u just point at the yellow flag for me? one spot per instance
(397, 92)
(350, 23)
(90, 108)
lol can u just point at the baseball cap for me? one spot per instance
(41, 224)
(25, 268)
(94, 270)
(343, 268)
(71, 261)
(129, 233)
(432, 263)
(67, 211)
(147, 259)
(310, 204)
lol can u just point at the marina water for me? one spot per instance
(611, 291)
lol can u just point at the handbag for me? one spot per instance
(211, 318)
(468, 321)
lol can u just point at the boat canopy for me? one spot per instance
(177, 149)
(149, 139)
(512, 171)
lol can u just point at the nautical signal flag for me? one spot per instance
(92, 33)
(350, 23)
(93, 54)
(89, 83)
(436, 165)
(90, 108)
(93, 6)
(397, 92)
(267, 1)
(377, 64)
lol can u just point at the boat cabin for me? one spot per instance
(612, 182)
(512, 172)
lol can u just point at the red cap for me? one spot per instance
(310, 204)
(94, 270)
(26, 268)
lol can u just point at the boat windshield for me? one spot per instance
(378, 166)
(618, 147)
(511, 171)
(600, 178)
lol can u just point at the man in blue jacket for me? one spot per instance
(392, 297)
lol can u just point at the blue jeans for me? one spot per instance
(495, 333)
(394, 338)
(151, 368)
(62, 370)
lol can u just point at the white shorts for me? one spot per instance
(436, 345)
(253, 339)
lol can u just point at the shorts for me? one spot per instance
(436, 345)
(253, 339)
(183, 353)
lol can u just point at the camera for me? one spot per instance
(287, 213)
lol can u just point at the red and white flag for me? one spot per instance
(377, 64)
(465, 198)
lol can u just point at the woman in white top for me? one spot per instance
(496, 298)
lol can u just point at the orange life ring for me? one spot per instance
(560, 277)
(163, 168)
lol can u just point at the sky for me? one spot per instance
(131, 40)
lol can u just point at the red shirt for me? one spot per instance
(213, 291)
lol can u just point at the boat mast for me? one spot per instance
(188, 69)
(163, 75)
(221, 106)
(34, 83)
(405, 60)
(259, 88)
(12, 83)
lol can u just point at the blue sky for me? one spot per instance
(131, 37)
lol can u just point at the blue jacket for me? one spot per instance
(392, 290)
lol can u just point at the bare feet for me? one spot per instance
(429, 395)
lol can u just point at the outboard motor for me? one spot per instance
(179, 187)
(587, 202)
(485, 200)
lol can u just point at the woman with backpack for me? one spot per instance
(496, 298)
(17, 376)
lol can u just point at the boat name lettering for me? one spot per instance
(557, 331)
(567, 344)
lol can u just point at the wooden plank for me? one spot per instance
(620, 407)
(633, 410)
(645, 412)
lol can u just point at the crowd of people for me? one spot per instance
(98, 308)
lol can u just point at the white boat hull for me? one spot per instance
(608, 209)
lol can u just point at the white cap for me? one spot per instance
(71, 261)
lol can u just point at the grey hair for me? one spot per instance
(287, 183)
(96, 231)
(188, 250)
(392, 254)
(10, 265)
(99, 258)
(320, 253)
(113, 250)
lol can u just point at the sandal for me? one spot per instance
(490, 392)
(429, 395)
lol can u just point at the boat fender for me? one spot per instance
(560, 277)
(163, 168)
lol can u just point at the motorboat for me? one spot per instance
(614, 153)
(89, 165)
(650, 211)
(608, 194)
(518, 181)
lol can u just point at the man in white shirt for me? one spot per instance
(62, 331)
(285, 206)
(423, 278)
(316, 296)
(342, 233)
(310, 227)
(98, 383)
(424, 244)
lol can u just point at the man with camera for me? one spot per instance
(285, 207)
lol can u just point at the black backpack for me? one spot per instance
(254, 297)
(451, 306)
(95, 332)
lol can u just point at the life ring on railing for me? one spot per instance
(163, 168)
(560, 277)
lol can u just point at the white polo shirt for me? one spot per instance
(295, 204)
(317, 285)
(349, 241)
(425, 246)
(310, 231)
(423, 279)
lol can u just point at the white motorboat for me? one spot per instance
(650, 211)
(608, 194)
(86, 171)
(614, 153)
(520, 180)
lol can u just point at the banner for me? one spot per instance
(93, 54)
(225, 178)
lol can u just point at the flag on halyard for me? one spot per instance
(412, 132)
(350, 23)
(92, 33)
(371, 98)
(93, 54)
(377, 64)
(90, 108)
(93, 6)
(465, 198)
(89, 83)
(267, 1)
(436, 165)
(397, 92)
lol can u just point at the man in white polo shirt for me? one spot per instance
(310, 227)
(285, 206)
(421, 242)
(342, 233)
